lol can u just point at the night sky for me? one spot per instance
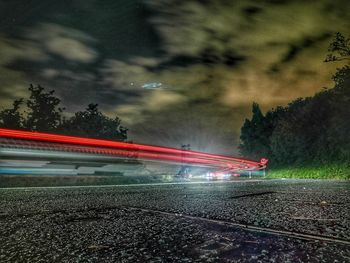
(213, 58)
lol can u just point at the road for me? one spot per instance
(257, 221)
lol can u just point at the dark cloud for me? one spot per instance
(250, 11)
(208, 57)
(307, 42)
(120, 26)
(294, 49)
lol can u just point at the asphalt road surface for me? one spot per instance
(258, 221)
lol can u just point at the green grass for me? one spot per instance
(334, 171)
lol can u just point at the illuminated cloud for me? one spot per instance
(67, 43)
(280, 43)
(40, 57)
(13, 81)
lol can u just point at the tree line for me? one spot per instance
(42, 112)
(313, 130)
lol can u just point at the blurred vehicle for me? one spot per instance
(152, 85)
(221, 176)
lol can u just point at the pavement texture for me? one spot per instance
(258, 221)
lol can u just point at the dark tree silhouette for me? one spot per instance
(255, 135)
(44, 113)
(93, 123)
(340, 123)
(12, 118)
(341, 47)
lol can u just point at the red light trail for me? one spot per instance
(140, 151)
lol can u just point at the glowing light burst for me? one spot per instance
(140, 151)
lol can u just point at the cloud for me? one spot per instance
(13, 82)
(278, 38)
(65, 42)
(187, 110)
(71, 49)
(295, 49)
(152, 103)
(40, 56)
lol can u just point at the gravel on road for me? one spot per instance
(177, 223)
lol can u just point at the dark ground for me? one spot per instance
(267, 221)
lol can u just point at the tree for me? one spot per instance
(255, 135)
(44, 112)
(93, 123)
(300, 137)
(341, 46)
(12, 118)
(339, 132)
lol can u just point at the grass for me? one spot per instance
(334, 171)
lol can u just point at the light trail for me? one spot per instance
(130, 150)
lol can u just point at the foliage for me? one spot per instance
(12, 118)
(43, 113)
(340, 46)
(93, 123)
(333, 171)
(308, 131)
(255, 134)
